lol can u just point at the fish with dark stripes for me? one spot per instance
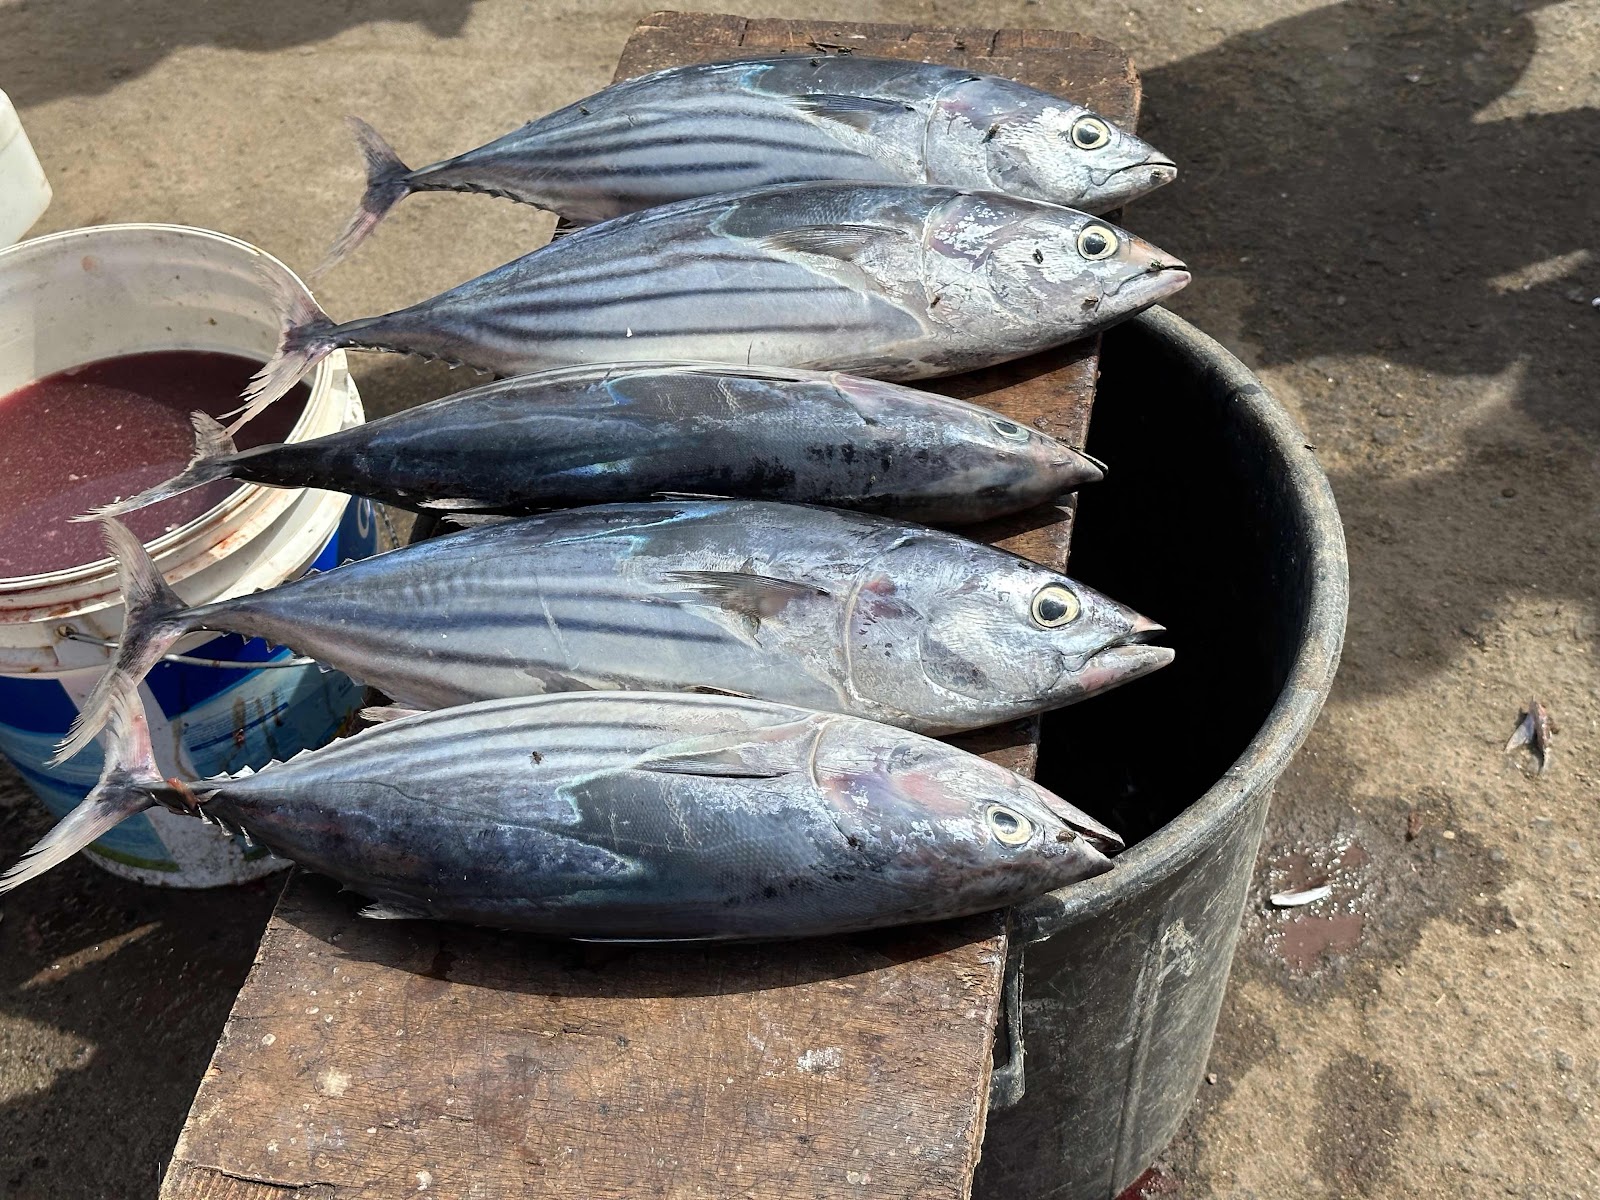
(826, 609)
(874, 279)
(722, 127)
(634, 431)
(628, 817)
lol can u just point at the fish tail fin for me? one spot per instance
(213, 460)
(156, 618)
(388, 183)
(122, 792)
(308, 337)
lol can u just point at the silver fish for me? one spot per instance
(629, 816)
(891, 282)
(723, 127)
(829, 610)
(633, 431)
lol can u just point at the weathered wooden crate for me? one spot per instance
(370, 1058)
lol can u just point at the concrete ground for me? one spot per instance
(1390, 213)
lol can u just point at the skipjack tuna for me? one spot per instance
(892, 282)
(830, 610)
(629, 816)
(723, 127)
(633, 431)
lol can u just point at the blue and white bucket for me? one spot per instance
(76, 297)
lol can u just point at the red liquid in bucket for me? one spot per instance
(93, 434)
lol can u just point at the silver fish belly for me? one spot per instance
(721, 127)
(630, 816)
(879, 280)
(635, 431)
(830, 610)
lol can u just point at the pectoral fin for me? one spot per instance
(384, 911)
(858, 112)
(745, 593)
(777, 750)
(843, 242)
(379, 713)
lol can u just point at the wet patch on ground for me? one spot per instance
(1393, 863)
(1360, 1112)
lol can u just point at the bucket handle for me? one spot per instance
(67, 633)
(1007, 1081)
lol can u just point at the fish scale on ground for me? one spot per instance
(827, 609)
(721, 127)
(629, 816)
(875, 279)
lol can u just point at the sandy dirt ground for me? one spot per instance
(1390, 210)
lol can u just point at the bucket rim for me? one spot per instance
(1287, 725)
(245, 494)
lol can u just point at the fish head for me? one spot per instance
(1055, 259)
(963, 826)
(1066, 154)
(1021, 638)
(987, 450)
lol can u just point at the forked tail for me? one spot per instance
(307, 339)
(388, 183)
(156, 618)
(123, 791)
(213, 460)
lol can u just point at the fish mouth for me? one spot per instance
(1158, 168)
(1156, 281)
(1084, 468)
(1128, 657)
(1101, 838)
(1098, 840)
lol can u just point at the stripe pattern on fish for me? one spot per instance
(618, 816)
(890, 282)
(705, 128)
(815, 607)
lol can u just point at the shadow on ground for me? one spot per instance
(1346, 210)
(52, 40)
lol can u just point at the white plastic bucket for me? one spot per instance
(87, 294)
(24, 191)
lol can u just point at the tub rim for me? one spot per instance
(1321, 637)
(319, 381)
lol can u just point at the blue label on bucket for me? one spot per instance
(228, 718)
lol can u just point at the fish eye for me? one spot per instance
(1096, 241)
(1009, 828)
(1055, 606)
(1090, 133)
(1009, 430)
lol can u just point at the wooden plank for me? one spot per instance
(367, 1058)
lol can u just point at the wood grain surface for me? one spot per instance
(366, 1058)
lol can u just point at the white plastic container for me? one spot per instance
(87, 294)
(24, 191)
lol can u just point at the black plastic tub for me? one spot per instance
(1216, 520)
